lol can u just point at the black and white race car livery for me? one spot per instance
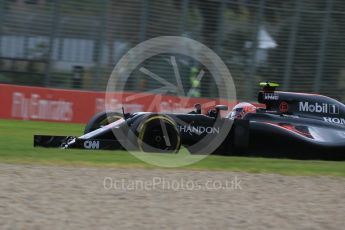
(292, 125)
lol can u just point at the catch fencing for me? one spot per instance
(76, 44)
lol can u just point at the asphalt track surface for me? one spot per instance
(49, 197)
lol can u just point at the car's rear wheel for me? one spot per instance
(158, 133)
(101, 119)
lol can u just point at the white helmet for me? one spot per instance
(241, 109)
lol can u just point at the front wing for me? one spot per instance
(74, 142)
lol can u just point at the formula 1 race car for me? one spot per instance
(292, 125)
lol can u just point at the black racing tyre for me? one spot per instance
(158, 133)
(101, 119)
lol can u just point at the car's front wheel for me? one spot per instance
(101, 119)
(158, 133)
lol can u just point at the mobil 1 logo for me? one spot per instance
(318, 107)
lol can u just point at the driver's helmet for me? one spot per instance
(241, 109)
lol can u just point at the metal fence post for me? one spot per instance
(220, 29)
(291, 45)
(184, 17)
(252, 67)
(100, 41)
(323, 44)
(54, 26)
(2, 16)
(143, 20)
(27, 25)
(218, 42)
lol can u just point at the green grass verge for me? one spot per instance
(16, 146)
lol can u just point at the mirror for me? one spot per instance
(197, 108)
(221, 107)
